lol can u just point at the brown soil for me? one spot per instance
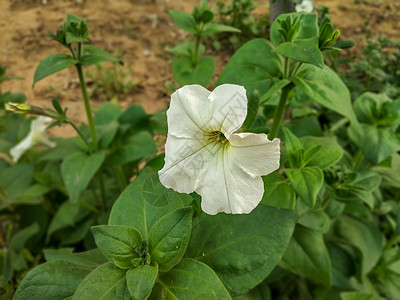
(142, 30)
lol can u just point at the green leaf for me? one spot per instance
(343, 266)
(294, 149)
(77, 169)
(324, 86)
(308, 256)
(184, 72)
(190, 279)
(242, 244)
(255, 66)
(316, 220)
(212, 28)
(304, 50)
(91, 258)
(376, 143)
(144, 202)
(118, 243)
(76, 29)
(277, 192)
(169, 238)
(52, 280)
(306, 182)
(15, 180)
(364, 236)
(274, 89)
(141, 280)
(370, 107)
(137, 147)
(105, 282)
(93, 55)
(328, 154)
(52, 64)
(106, 121)
(183, 20)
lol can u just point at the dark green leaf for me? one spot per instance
(169, 238)
(294, 149)
(141, 280)
(278, 192)
(190, 279)
(91, 258)
(118, 243)
(52, 64)
(105, 282)
(249, 246)
(77, 169)
(52, 280)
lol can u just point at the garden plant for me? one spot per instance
(280, 183)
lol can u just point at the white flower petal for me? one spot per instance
(255, 153)
(183, 161)
(229, 108)
(18, 150)
(189, 111)
(225, 187)
(305, 6)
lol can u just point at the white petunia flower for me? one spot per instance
(305, 6)
(35, 136)
(203, 152)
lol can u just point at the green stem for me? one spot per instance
(79, 133)
(121, 179)
(279, 111)
(87, 106)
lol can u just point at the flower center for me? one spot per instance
(217, 136)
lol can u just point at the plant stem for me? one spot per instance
(87, 106)
(279, 111)
(79, 133)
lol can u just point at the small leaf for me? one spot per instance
(190, 279)
(118, 243)
(184, 72)
(294, 149)
(77, 169)
(169, 238)
(105, 282)
(141, 280)
(93, 55)
(329, 151)
(278, 192)
(52, 64)
(183, 20)
(212, 28)
(306, 182)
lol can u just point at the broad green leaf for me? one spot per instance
(15, 180)
(77, 169)
(376, 143)
(306, 182)
(307, 256)
(278, 192)
(105, 282)
(144, 202)
(316, 220)
(364, 236)
(91, 258)
(328, 154)
(137, 147)
(190, 279)
(52, 280)
(390, 175)
(255, 66)
(185, 73)
(118, 243)
(93, 55)
(52, 64)
(324, 86)
(304, 50)
(106, 122)
(183, 20)
(343, 266)
(369, 107)
(211, 28)
(140, 281)
(169, 238)
(294, 149)
(249, 246)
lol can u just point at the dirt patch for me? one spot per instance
(142, 30)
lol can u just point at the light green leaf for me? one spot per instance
(278, 192)
(249, 246)
(52, 64)
(54, 280)
(294, 148)
(274, 89)
(184, 72)
(105, 282)
(190, 279)
(183, 20)
(306, 182)
(15, 180)
(144, 202)
(141, 280)
(106, 122)
(77, 169)
(328, 154)
(316, 220)
(211, 28)
(324, 86)
(169, 238)
(118, 243)
(307, 256)
(93, 55)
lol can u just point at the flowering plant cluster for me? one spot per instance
(274, 182)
